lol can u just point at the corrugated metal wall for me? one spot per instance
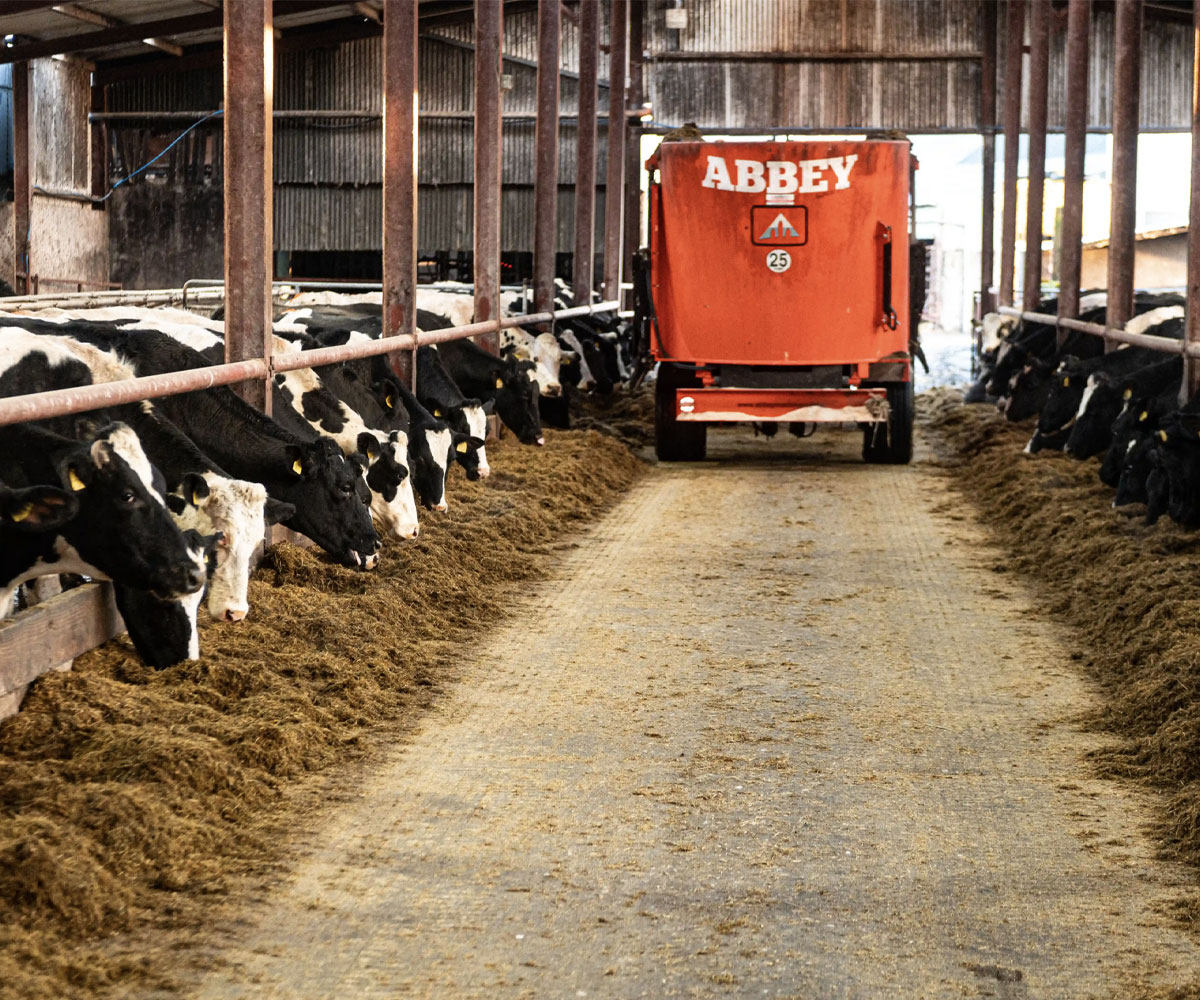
(327, 171)
(913, 95)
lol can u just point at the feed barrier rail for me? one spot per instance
(65, 626)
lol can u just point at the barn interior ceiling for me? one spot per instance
(132, 34)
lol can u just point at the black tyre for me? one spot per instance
(892, 444)
(675, 441)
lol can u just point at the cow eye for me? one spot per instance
(128, 497)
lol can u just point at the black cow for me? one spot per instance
(508, 383)
(1109, 417)
(121, 530)
(1072, 388)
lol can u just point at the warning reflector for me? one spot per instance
(779, 225)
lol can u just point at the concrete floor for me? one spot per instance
(774, 729)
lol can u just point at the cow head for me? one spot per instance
(123, 527)
(389, 477)
(516, 401)
(164, 631)
(1066, 389)
(1133, 422)
(323, 485)
(237, 510)
(1027, 391)
(1099, 406)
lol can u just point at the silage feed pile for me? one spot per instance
(127, 796)
(1132, 591)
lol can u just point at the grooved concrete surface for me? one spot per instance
(775, 729)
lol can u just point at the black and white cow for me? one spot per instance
(504, 381)
(314, 477)
(164, 632)
(121, 531)
(202, 496)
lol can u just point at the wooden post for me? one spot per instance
(249, 188)
(1123, 216)
(1039, 84)
(585, 174)
(614, 185)
(545, 194)
(22, 172)
(400, 177)
(1015, 40)
(489, 33)
(1079, 15)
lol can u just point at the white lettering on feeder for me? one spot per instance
(779, 177)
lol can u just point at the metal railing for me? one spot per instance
(1168, 345)
(60, 402)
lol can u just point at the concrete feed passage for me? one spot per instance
(772, 730)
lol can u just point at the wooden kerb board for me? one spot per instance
(59, 629)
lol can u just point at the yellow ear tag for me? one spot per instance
(296, 467)
(388, 402)
(23, 513)
(437, 413)
(499, 383)
(461, 447)
(1143, 416)
(196, 498)
(1162, 435)
(77, 484)
(1066, 381)
(1128, 393)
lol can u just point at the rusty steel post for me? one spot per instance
(400, 177)
(489, 29)
(1014, 42)
(22, 174)
(1127, 73)
(1039, 84)
(545, 194)
(987, 124)
(1079, 15)
(1191, 371)
(614, 186)
(249, 188)
(633, 142)
(585, 174)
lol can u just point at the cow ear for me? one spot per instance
(39, 508)
(498, 378)
(88, 426)
(476, 442)
(194, 488)
(77, 473)
(176, 504)
(385, 391)
(462, 443)
(488, 406)
(295, 459)
(368, 444)
(276, 511)
(280, 378)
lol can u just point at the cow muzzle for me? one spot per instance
(234, 614)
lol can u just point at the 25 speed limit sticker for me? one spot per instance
(779, 261)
